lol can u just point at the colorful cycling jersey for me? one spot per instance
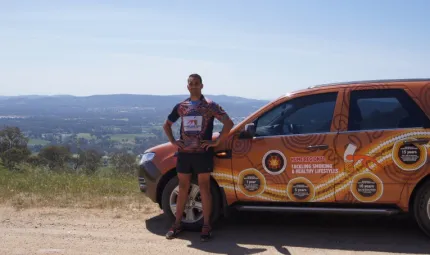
(197, 118)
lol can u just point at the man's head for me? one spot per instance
(195, 84)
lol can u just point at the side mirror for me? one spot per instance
(249, 131)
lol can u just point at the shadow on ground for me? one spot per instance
(394, 234)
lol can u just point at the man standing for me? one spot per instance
(195, 149)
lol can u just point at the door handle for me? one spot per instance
(417, 141)
(319, 146)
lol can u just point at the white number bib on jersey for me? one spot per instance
(193, 123)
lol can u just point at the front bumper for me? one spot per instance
(148, 176)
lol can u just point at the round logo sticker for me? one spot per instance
(300, 189)
(251, 182)
(367, 187)
(409, 157)
(274, 162)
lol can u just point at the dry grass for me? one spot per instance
(41, 188)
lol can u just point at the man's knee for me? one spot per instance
(184, 181)
(204, 181)
(184, 185)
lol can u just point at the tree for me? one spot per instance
(13, 147)
(89, 159)
(57, 156)
(123, 162)
(35, 160)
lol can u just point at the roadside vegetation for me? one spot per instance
(55, 177)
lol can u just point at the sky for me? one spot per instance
(254, 49)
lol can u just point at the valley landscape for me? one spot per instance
(69, 151)
(105, 123)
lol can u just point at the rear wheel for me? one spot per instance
(422, 208)
(192, 218)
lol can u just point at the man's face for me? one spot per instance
(194, 85)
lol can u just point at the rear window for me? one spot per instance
(384, 109)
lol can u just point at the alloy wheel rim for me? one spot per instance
(193, 210)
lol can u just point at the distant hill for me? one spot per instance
(116, 104)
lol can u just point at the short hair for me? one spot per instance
(194, 75)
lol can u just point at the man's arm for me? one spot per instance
(168, 131)
(227, 126)
(220, 114)
(172, 118)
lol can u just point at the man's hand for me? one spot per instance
(178, 143)
(207, 144)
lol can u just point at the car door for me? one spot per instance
(382, 144)
(291, 157)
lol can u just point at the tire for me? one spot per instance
(197, 223)
(421, 208)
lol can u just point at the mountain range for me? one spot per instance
(115, 104)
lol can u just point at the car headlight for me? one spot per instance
(148, 156)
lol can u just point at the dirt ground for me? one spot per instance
(90, 231)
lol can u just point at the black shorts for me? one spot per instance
(195, 163)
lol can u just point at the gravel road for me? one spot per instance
(91, 231)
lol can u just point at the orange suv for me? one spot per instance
(357, 147)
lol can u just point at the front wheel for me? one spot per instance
(422, 208)
(193, 212)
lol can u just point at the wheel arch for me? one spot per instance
(172, 173)
(417, 187)
(165, 178)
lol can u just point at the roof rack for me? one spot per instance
(369, 81)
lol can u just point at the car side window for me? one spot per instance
(302, 115)
(384, 109)
(272, 115)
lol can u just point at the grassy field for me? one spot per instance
(37, 142)
(87, 136)
(129, 137)
(39, 188)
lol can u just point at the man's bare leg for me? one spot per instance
(184, 187)
(205, 193)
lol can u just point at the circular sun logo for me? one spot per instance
(274, 162)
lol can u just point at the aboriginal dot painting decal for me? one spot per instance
(274, 162)
(409, 156)
(300, 189)
(358, 174)
(251, 182)
(366, 187)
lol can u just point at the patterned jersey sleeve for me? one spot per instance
(218, 112)
(174, 115)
